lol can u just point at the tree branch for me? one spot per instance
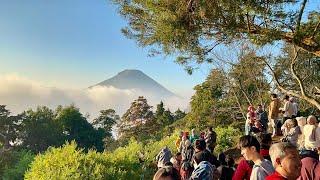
(315, 30)
(303, 5)
(292, 69)
(282, 89)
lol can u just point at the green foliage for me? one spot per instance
(41, 130)
(134, 161)
(20, 163)
(227, 137)
(106, 120)
(10, 128)
(14, 163)
(193, 28)
(138, 121)
(76, 127)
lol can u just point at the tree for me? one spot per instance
(207, 99)
(138, 121)
(41, 130)
(296, 73)
(162, 116)
(104, 123)
(193, 28)
(159, 113)
(248, 79)
(76, 127)
(10, 128)
(179, 114)
(106, 120)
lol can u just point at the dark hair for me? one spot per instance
(286, 97)
(274, 96)
(201, 156)
(249, 141)
(200, 144)
(230, 161)
(294, 122)
(210, 128)
(178, 154)
(167, 171)
(168, 163)
(265, 139)
(222, 158)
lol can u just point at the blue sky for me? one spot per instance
(75, 44)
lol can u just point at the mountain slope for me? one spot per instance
(135, 79)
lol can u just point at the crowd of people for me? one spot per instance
(294, 156)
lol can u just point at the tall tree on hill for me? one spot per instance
(41, 130)
(248, 76)
(138, 121)
(162, 116)
(10, 128)
(76, 127)
(178, 114)
(207, 98)
(105, 122)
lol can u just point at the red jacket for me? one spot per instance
(275, 176)
(243, 171)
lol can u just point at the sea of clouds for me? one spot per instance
(20, 93)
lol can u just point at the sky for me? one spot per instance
(75, 44)
(51, 51)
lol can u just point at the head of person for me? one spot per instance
(257, 124)
(178, 156)
(286, 98)
(209, 128)
(181, 134)
(274, 96)
(312, 120)
(250, 147)
(285, 158)
(251, 109)
(222, 158)
(199, 157)
(200, 144)
(291, 99)
(289, 123)
(230, 161)
(167, 173)
(265, 140)
(193, 132)
(260, 107)
(301, 121)
(188, 143)
(294, 123)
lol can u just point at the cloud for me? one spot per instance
(20, 94)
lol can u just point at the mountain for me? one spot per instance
(135, 79)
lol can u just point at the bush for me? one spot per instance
(69, 162)
(227, 137)
(20, 161)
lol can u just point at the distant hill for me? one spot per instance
(136, 79)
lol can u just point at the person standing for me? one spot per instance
(274, 112)
(262, 116)
(250, 148)
(287, 109)
(210, 139)
(251, 118)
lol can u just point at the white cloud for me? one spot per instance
(20, 94)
